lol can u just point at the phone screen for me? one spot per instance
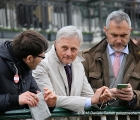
(120, 86)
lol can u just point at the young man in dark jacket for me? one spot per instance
(17, 58)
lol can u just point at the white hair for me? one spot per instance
(69, 32)
(118, 16)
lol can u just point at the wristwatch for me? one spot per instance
(133, 101)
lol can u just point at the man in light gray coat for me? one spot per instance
(78, 94)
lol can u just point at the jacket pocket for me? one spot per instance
(95, 79)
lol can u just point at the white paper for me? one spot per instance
(40, 112)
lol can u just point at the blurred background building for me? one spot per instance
(48, 16)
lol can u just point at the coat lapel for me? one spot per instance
(105, 67)
(129, 67)
(64, 77)
(74, 79)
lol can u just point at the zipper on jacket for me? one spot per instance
(19, 85)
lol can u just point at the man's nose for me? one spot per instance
(119, 39)
(68, 52)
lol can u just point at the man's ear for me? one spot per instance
(131, 29)
(105, 31)
(28, 59)
(55, 44)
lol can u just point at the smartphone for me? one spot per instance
(120, 86)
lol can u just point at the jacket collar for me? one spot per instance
(98, 50)
(78, 59)
(134, 50)
(9, 55)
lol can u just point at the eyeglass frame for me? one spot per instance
(41, 56)
(107, 103)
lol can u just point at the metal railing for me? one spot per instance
(89, 113)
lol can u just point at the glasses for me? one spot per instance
(110, 102)
(41, 56)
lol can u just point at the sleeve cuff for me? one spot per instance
(133, 102)
(13, 99)
(88, 103)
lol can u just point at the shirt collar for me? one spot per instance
(111, 51)
(67, 64)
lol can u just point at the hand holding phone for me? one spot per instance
(120, 86)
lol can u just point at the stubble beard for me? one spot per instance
(118, 49)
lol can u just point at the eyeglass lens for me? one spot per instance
(110, 102)
(103, 105)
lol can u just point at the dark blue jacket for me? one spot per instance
(9, 90)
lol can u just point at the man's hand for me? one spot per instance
(113, 92)
(28, 98)
(99, 96)
(50, 97)
(106, 95)
(125, 93)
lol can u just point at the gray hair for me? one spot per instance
(118, 16)
(69, 32)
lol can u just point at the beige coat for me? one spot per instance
(51, 73)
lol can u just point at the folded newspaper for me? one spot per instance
(40, 112)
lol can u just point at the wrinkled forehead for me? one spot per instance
(68, 39)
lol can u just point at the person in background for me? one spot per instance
(62, 71)
(134, 40)
(138, 42)
(17, 59)
(116, 60)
